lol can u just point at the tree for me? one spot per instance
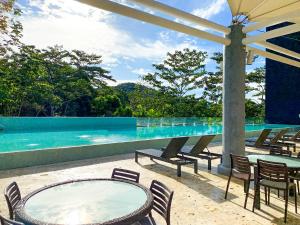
(10, 28)
(180, 73)
(256, 82)
(212, 81)
(106, 105)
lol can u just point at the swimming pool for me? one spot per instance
(14, 140)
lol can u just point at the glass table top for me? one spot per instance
(85, 202)
(289, 161)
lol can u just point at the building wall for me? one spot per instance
(283, 85)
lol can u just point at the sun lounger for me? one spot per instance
(259, 141)
(294, 137)
(200, 150)
(170, 154)
(276, 140)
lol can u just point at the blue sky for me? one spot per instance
(129, 47)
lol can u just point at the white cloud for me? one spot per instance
(112, 83)
(78, 26)
(141, 71)
(207, 12)
(211, 10)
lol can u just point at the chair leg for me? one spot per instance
(295, 195)
(266, 195)
(298, 187)
(178, 170)
(196, 166)
(227, 187)
(209, 165)
(269, 191)
(278, 193)
(286, 194)
(136, 157)
(256, 190)
(247, 193)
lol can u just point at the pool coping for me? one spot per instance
(21, 159)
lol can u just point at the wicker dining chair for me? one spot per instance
(123, 174)
(240, 169)
(296, 176)
(12, 196)
(162, 203)
(4, 221)
(276, 176)
(281, 152)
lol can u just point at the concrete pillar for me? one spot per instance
(233, 98)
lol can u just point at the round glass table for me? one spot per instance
(291, 163)
(89, 201)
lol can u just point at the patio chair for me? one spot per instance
(170, 154)
(4, 221)
(281, 152)
(240, 169)
(294, 137)
(162, 203)
(276, 140)
(198, 150)
(123, 174)
(276, 176)
(12, 196)
(296, 176)
(259, 141)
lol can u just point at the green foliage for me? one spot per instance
(254, 110)
(58, 82)
(10, 28)
(105, 105)
(48, 82)
(212, 82)
(256, 83)
(179, 73)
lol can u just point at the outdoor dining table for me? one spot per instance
(86, 201)
(292, 163)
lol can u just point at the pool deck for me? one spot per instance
(198, 198)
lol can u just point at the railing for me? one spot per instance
(188, 121)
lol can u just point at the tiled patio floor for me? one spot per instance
(198, 199)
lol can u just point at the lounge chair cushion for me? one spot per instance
(186, 149)
(152, 152)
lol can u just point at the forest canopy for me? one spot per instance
(58, 82)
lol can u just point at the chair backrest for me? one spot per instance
(278, 136)
(240, 164)
(201, 144)
(272, 171)
(123, 174)
(282, 152)
(4, 221)
(262, 137)
(296, 136)
(174, 146)
(162, 199)
(12, 196)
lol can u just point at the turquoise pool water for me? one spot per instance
(15, 140)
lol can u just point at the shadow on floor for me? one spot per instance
(197, 182)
